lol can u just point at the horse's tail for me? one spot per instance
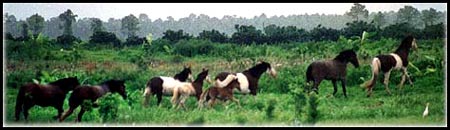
(147, 93)
(19, 102)
(376, 64)
(309, 74)
(228, 79)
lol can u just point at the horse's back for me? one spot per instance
(222, 76)
(387, 62)
(318, 69)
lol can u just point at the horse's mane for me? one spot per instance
(111, 82)
(258, 69)
(181, 76)
(343, 55)
(200, 76)
(61, 82)
(405, 45)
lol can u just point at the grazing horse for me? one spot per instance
(164, 85)
(52, 94)
(224, 94)
(92, 93)
(247, 80)
(394, 61)
(334, 70)
(186, 89)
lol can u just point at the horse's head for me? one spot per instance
(202, 75)
(117, 86)
(349, 56)
(272, 72)
(407, 43)
(185, 74)
(72, 82)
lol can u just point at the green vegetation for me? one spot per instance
(280, 101)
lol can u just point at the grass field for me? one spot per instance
(275, 104)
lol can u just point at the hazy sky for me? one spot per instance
(105, 11)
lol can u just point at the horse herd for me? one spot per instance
(178, 86)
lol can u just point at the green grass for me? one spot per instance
(404, 107)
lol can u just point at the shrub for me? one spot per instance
(108, 107)
(66, 41)
(104, 38)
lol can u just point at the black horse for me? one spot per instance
(165, 85)
(394, 61)
(334, 70)
(52, 94)
(92, 93)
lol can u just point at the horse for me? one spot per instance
(186, 89)
(334, 70)
(397, 60)
(164, 85)
(247, 80)
(92, 93)
(44, 95)
(224, 94)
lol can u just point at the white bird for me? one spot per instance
(425, 113)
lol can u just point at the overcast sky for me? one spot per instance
(105, 11)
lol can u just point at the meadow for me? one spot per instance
(280, 101)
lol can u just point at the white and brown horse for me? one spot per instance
(165, 85)
(394, 61)
(187, 89)
(247, 80)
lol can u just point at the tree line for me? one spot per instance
(425, 24)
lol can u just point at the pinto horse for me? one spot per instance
(224, 94)
(247, 80)
(52, 94)
(92, 93)
(186, 89)
(334, 70)
(164, 85)
(394, 61)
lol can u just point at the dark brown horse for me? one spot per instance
(164, 85)
(394, 61)
(92, 93)
(223, 94)
(334, 70)
(186, 89)
(247, 80)
(52, 94)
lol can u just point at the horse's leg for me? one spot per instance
(386, 81)
(211, 102)
(343, 87)
(27, 107)
(405, 72)
(159, 96)
(73, 104)
(60, 111)
(66, 114)
(316, 86)
(237, 101)
(80, 115)
(334, 86)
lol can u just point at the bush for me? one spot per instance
(104, 38)
(134, 40)
(31, 49)
(190, 48)
(108, 107)
(66, 41)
